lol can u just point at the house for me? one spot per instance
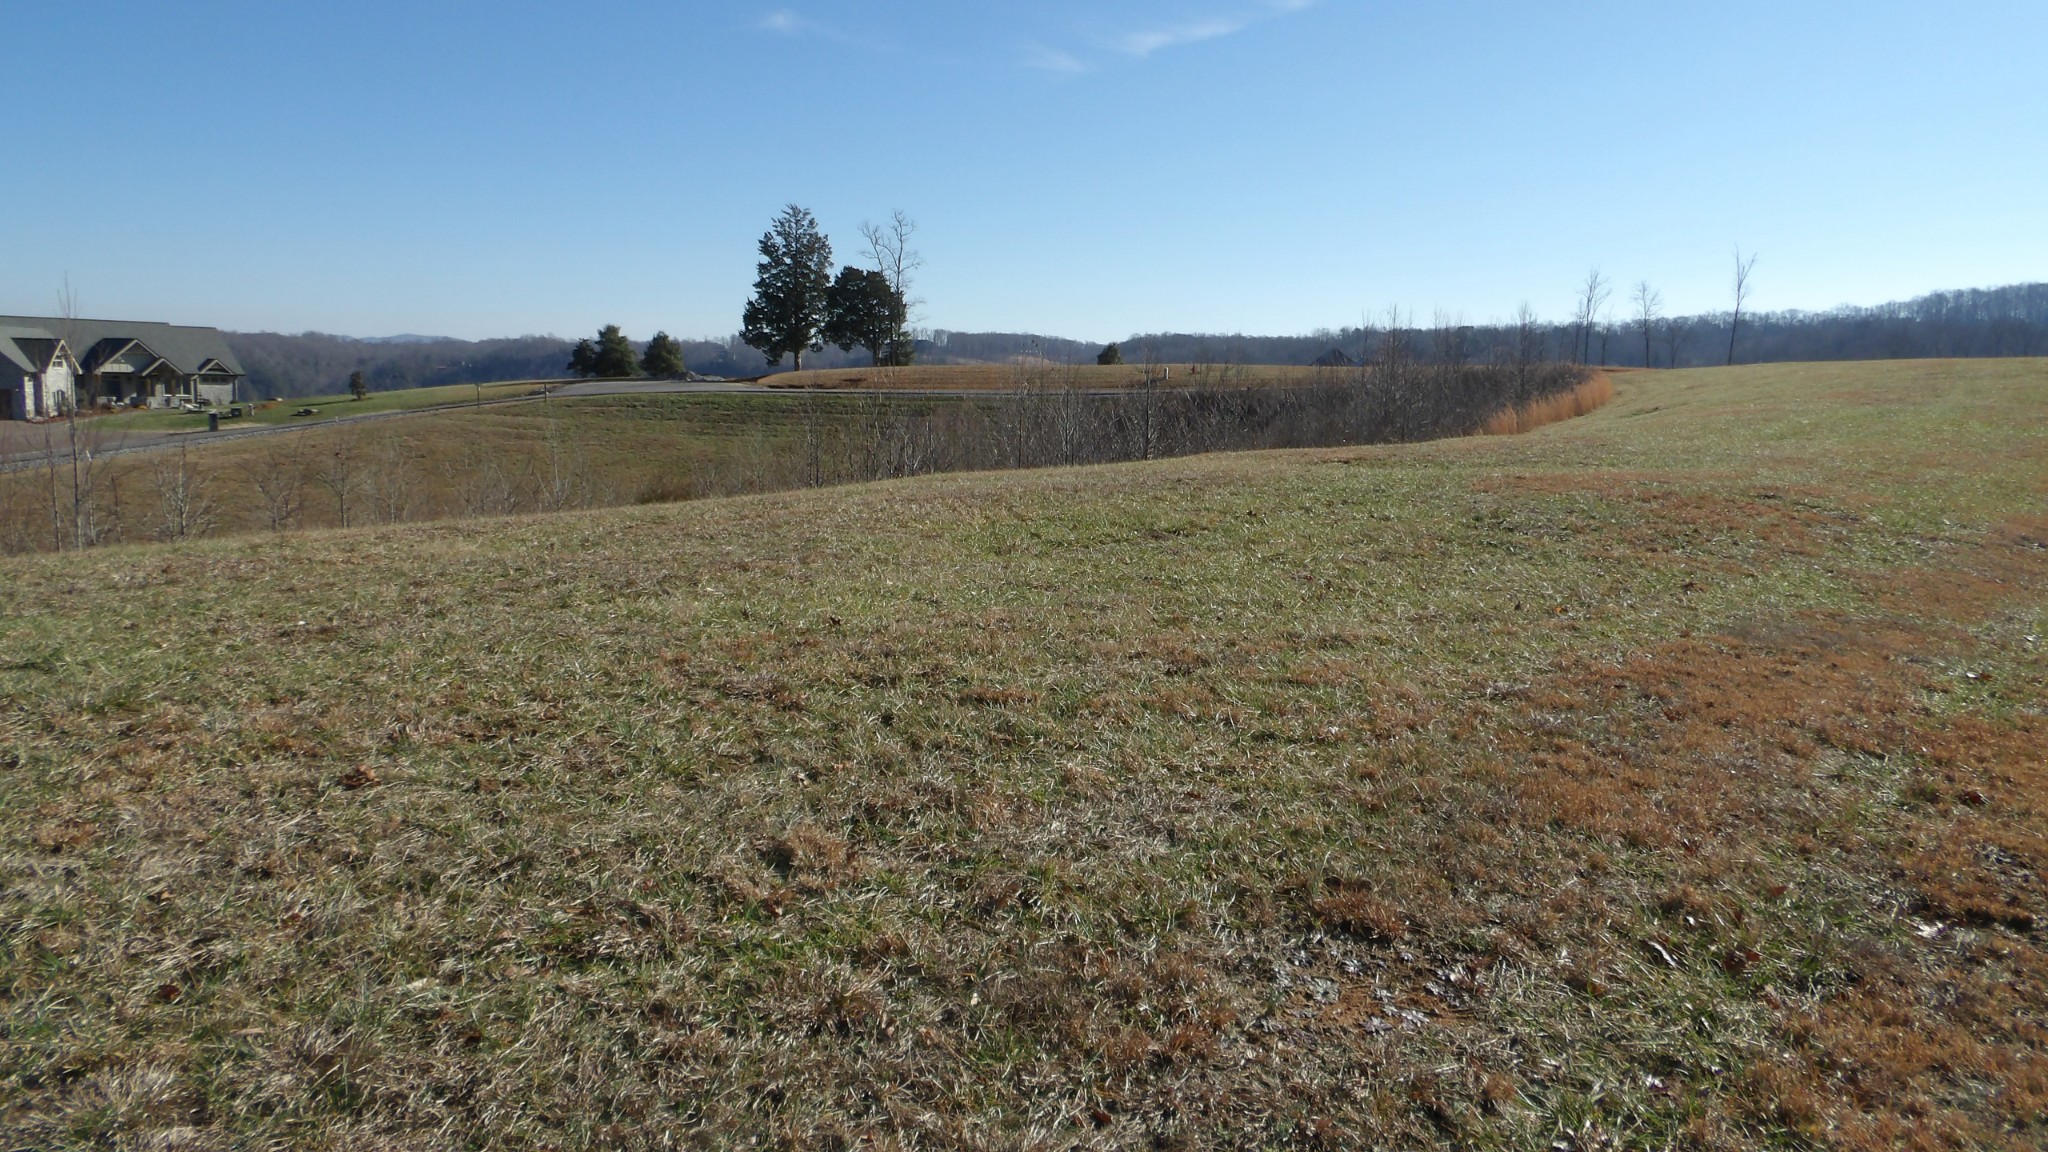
(37, 373)
(48, 364)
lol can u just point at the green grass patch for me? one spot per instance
(1669, 777)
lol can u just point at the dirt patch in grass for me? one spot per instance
(1575, 482)
(1754, 762)
(1633, 517)
(1973, 576)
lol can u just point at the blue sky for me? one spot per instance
(476, 168)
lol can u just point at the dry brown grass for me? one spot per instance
(1007, 377)
(1591, 396)
(453, 464)
(602, 452)
(1735, 755)
(1537, 792)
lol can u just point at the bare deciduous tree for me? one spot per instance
(1592, 298)
(337, 471)
(53, 488)
(1742, 270)
(87, 526)
(388, 480)
(1155, 374)
(479, 481)
(1677, 332)
(1450, 339)
(560, 480)
(1527, 351)
(278, 474)
(889, 248)
(184, 503)
(1649, 309)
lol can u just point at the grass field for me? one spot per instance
(458, 462)
(1676, 776)
(614, 450)
(327, 408)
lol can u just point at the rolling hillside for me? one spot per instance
(1676, 776)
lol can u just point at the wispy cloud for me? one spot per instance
(1052, 59)
(783, 22)
(787, 23)
(1146, 41)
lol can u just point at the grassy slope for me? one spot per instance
(1670, 776)
(619, 447)
(327, 408)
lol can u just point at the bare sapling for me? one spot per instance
(479, 482)
(1592, 298)
(278, 474)
(389, 482)
(1742, 270)
(1649, 305)
(184, 502)
(338, 470)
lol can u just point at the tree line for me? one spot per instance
(1985, 322)
(318, 364)
(612, 357)
(1628, 327)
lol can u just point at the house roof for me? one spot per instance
(25, 347)
(186, 348)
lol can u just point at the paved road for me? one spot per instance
(652, 387)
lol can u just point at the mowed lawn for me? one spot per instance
(1673, 777)
(325, 408)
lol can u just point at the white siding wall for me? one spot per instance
(59, 391)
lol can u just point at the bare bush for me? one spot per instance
(480, 483)
(389, 483)
(1047, 419)
(278, 474)
(561, 477)
(339, 471)
(184, 502)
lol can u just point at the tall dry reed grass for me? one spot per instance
(1595, 393)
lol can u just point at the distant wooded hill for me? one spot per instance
(1982, 322)
(319, 364)
(2009, 321)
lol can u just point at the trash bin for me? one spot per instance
(213, 421)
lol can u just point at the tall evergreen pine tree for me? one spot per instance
(791, 292)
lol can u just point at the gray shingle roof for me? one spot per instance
(25, 347)
(91, 341)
